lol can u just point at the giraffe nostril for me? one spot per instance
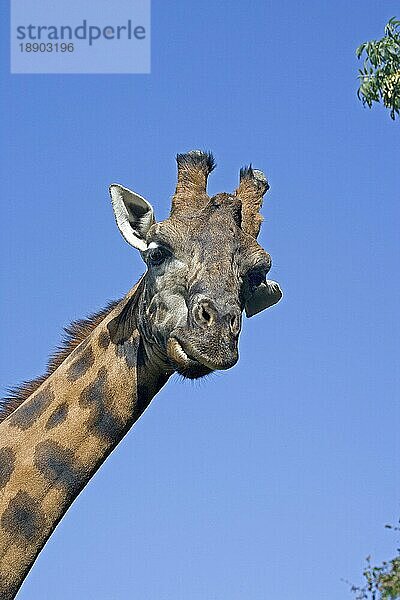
(205, 315)
(235, 324)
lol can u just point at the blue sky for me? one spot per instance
(275, 479)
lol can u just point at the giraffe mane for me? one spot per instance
(74, 333)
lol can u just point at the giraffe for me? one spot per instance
(204, 268)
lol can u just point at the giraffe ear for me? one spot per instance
(133, 214)
(265, 295)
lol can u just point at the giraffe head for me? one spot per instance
(204, 266)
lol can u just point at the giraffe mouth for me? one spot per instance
(187, 361)
(192, 363)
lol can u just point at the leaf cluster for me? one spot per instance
(381, 582)
(380, 75)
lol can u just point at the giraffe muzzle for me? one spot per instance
(196, 360)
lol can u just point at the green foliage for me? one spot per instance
(383, 582)
(380, 74)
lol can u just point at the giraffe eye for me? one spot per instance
(157, 255)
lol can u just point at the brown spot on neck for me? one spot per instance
(104, 422)
(59, 467)
(23, 518)
(104, 340)
(75, 334)
(7, 463)
(58, 416)
(27, 414)
(81, 364)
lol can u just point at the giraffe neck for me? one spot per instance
(56, 440)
